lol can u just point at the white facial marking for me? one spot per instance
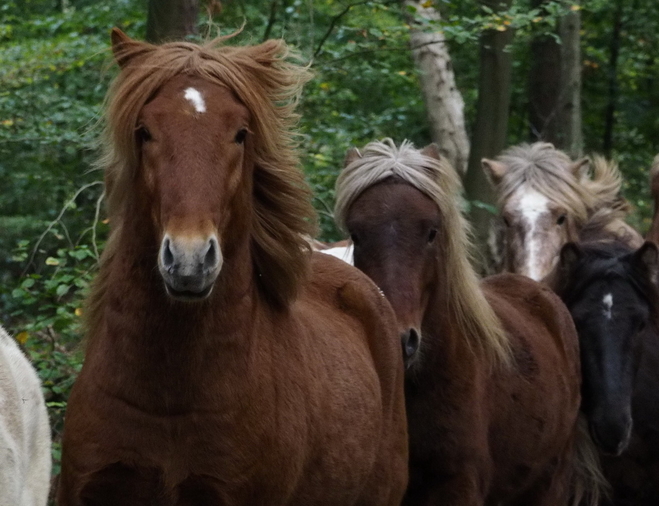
(342, 252)
(608, 304)
(532, 205)
(197, 100)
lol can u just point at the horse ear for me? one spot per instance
(570, 255)
(124, 48)
(352, 155)
(580, 167)
(648, 256)
(494, 170)
(432, 151)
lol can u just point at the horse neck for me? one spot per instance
(446, 348)
(137, 307)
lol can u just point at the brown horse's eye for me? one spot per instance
(143, 134)
(432, 235)
(240, 136)
(560, 220)
(506, 221)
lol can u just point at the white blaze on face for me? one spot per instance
(196, 99)
(607, 301)
(532, 206)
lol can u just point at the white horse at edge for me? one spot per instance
(25, 458)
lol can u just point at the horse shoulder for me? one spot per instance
(352, 294)
(24, 428)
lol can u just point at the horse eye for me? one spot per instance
(240, 136)
(143, 134)
(506, 221)
(560, 220)
(432, 235)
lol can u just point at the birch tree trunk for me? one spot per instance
(171, 19)
(490, 129)
(443, 100)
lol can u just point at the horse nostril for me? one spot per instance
(167, 255)
(410, 343)
(210, 259)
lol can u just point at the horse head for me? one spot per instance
(542, 205)
(201, 146)
(610, 292)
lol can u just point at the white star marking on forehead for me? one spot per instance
(608, 304)
(197, 100)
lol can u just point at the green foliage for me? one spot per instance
(55, 68)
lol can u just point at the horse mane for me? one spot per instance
(438, 180)
(605, 184)
(269, 86)
(549, 172)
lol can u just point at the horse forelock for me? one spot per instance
(543, 168)
(269, 86)
(438, 180)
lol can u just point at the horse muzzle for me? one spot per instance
(612, 436)
(189, 266)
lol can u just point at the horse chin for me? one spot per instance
(188, 295)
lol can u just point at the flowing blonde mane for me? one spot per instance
(436, 178)
(269, 86)
(550, 172)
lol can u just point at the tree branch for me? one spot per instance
(336, 19)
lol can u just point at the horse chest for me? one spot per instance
(234, 435)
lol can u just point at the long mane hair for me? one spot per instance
(269, 86)
(437, 179)
(549, 171)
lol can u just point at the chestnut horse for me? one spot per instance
(611, 291)
(545, 200)
(492, 393)
(225, 363)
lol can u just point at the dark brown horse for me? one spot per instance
(610, 289)
(492, 391)
(225, 364)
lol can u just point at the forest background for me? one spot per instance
(512, 72)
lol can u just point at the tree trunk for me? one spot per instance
(444, 103)
(544, 85)
(555, 86)
(489, 134)
(569, 112)
(609, 119)
(171, 20)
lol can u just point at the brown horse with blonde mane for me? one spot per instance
(225, 363)
(546, 199)
(492, 385)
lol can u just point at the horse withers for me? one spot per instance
(493, 377)
(610, 289)
(546, 199)
(25, 459)
(225, 363)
